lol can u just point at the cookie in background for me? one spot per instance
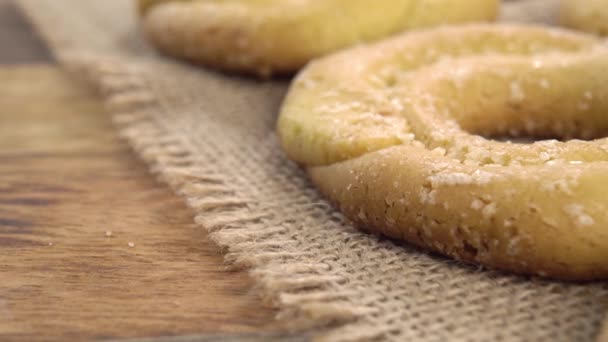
(266, 37)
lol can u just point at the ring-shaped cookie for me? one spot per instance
(585, 15)
(276, 36)
(396, 134)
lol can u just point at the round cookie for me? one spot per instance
(585, 15)
(406, 137)
(278, 36)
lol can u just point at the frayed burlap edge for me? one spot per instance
(281, 276)
(230, 224)
(295, 283)
(284, 280)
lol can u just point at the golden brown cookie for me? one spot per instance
(585, 15)
(275, 36)
(401, 136)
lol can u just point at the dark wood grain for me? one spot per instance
(66, 182)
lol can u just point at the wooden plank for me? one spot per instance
(66, 182)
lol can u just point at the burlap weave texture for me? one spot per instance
(212, 138)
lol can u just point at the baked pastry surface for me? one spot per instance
(277, 36)
(585, 15)
(407, 137)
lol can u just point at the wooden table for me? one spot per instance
(91, 246)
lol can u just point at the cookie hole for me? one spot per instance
(525, 102)
(533, 122)
(529, 137)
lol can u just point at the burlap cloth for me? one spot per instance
(212, 138)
